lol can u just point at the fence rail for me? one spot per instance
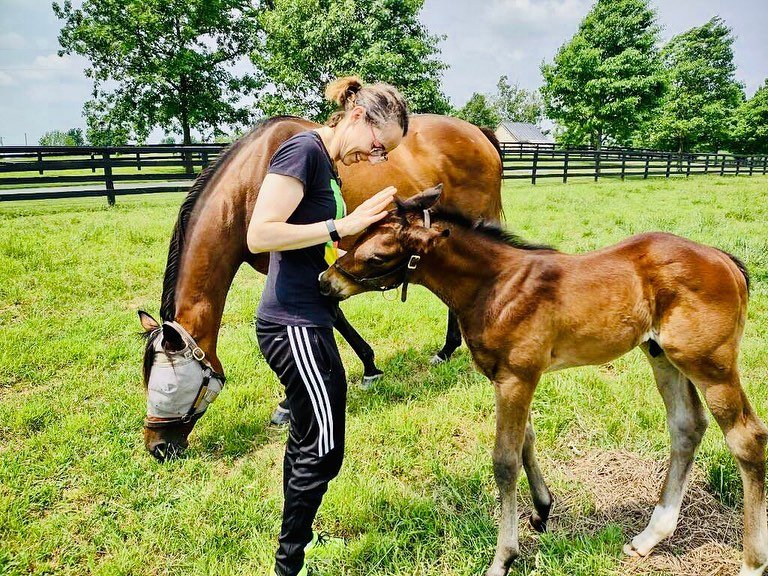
(531, 161)
(33, 172)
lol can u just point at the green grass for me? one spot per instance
(79, 495)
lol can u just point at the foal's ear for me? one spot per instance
(172, 340)
(421, 201)
(147, 322)
(421, 240)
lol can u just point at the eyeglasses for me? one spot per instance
(378, 153)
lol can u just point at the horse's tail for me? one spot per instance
(491, 135)
(741, 266)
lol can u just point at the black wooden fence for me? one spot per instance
(534, 161)
(32, 172)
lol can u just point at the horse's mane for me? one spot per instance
(176, 248)
(490, 229)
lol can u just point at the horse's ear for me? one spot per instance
(421, 201)
(147, 322)
(172, 340)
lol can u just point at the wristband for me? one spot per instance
(331, 225)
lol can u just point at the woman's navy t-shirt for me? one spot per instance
(292, 294)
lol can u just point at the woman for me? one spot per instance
(299, 215)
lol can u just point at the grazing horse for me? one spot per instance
(181, 367)
(526, 309)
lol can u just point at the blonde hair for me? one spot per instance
(383, 103)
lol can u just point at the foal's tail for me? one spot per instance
(741, 266)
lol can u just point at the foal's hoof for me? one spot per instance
(537, 523)
(369, 379)
(631, 551)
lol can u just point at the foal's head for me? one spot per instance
(384, 256)
(180, 385)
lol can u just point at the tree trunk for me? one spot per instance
(187, 140)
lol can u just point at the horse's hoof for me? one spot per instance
(437, 359)
(368, 380)
(280, 417)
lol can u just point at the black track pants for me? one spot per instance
(307, 362)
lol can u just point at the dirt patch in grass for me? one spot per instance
(624, 488)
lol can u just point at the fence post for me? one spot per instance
(623, 163)
(722, 165)
(565, 167)
(597, 164)
(765, 164)
(647, 161)
(40, 162)
(205, 159)
(738, 165)
(669, 164)
(535, 162)
(138, 161)
(93, 163)
(751, 164)
(110, 184)
(688, 168)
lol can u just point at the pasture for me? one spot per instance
(416, 496)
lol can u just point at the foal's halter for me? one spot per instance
(407, 266)
(168, 369)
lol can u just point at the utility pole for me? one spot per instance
(25, 139)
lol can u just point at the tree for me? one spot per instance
(515, 104)
(163, 63)
(697, 111)
(479, 111)
(607, 79)
(307, 43)
(72, 137)
(107, 123)
(750, 133)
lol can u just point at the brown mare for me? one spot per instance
(209, 242)
(525, 310)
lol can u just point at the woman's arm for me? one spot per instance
(279, 196)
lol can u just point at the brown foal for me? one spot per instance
(525, 310)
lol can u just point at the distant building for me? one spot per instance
(522, 132)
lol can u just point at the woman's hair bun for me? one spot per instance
(343, 90)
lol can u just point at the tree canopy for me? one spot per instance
(307, 43)
(161, 63)
(515, 104)
(750, 130)
(72, 137)
(607, 79)
(479, 111)
(697, 110)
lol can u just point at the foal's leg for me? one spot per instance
(513, 400)
(542, 498)
(687, 422)
(360, 347)
(746, 437)
(452, 340)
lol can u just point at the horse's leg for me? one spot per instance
(452, 340)
(363, 350)
(687, 422)
(542, 497)
(513, 401)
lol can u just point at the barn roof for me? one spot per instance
(525, 132)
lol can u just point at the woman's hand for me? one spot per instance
(370, 211)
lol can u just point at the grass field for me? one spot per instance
(79, 495)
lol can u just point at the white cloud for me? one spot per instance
(537, 13)
(6, 79)
(52, 68)
(12, 41)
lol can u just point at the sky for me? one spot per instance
(484, 39)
